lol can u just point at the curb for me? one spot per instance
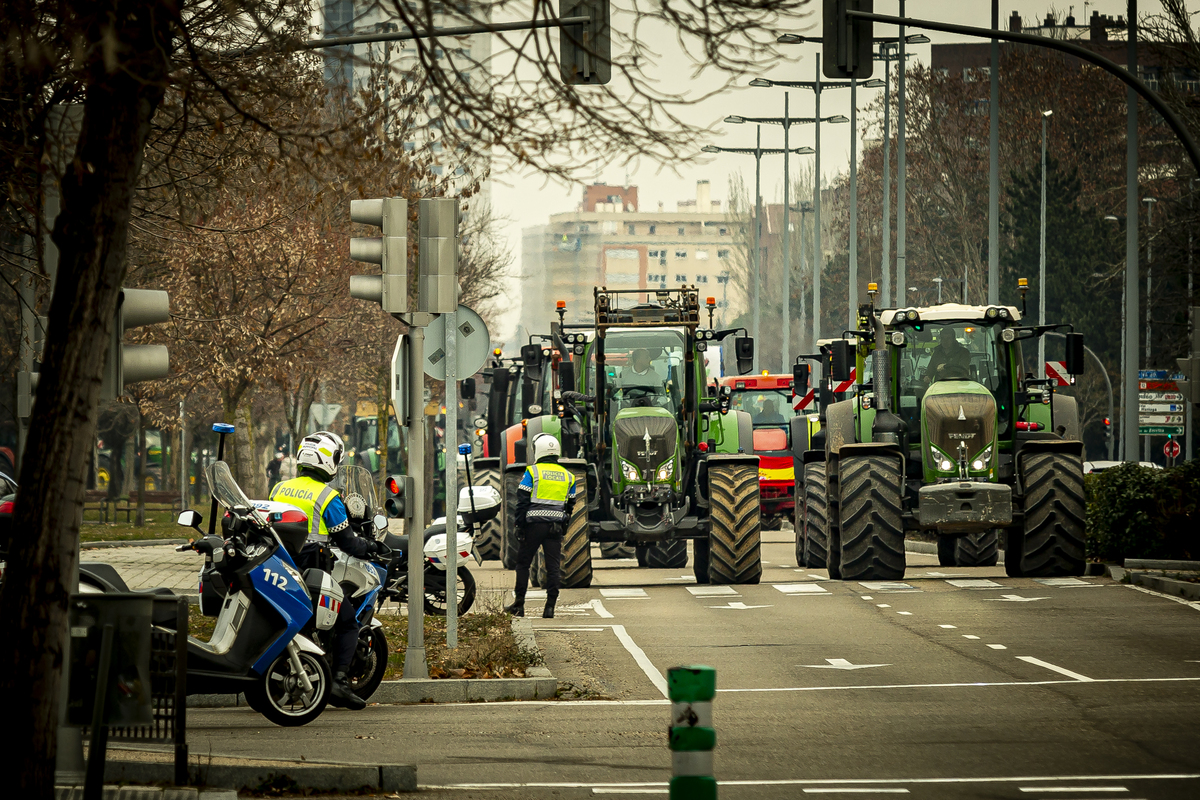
(1152, 563)
(1184, 589)
(130, 543)
(931, 549)
(147, 793)
(319, 776)
(540, 685)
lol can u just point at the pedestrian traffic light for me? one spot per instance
(585, 51)
(131, 363)
(846, 42)
(399, 496)
(390, 251)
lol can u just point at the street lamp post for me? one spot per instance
(938, 281)
(758, 152)
(1042, 256)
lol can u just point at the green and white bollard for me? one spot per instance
(692, 738)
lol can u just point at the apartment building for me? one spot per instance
(609, 240)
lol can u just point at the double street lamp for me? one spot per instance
(758, 151)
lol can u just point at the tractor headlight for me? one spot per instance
(912, 315)
(1004, 313)
(666, 471)
(1008, 335)
(630, 471)
(898, 338)
(701, 346)
(982, 460)
(992, 312)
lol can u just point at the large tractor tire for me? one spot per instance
(735, 536)
(1054, 516)
(946, 546)
(976, 549)
(641, 553)
(576, 542)
(508, 535)
(616, 550)
(700, 561)
(490, 532)
(671, 554)
(872, 531)
(815, 525)
(1014, 543)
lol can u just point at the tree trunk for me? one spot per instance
(129, 476)
(92, 235)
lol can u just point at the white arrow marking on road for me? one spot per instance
(945, 574)
(1014, 598)
(840, 663)
(977, 583)
(740, 606)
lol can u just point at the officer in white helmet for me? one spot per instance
(545, 500)
(316, 465)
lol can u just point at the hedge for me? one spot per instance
(1140, 512)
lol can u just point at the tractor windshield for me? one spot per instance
(940, 351)
(768, 408)
(644, 368)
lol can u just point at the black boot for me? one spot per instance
(517, 609)
(342, 696)
(548, 611)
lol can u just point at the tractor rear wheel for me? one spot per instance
(616, 550)
(814, 533)
(872, 531)
(671, 554)
(490, 532)
(976, 549)
(1054, 515)
(508, 534)
(735, 534)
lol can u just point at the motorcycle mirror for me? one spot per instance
(841, 356)
(800, 377)
(743, 351)
(1074, 354)
(190, 519)
(380, 522)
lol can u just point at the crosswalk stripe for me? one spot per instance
(800, 588)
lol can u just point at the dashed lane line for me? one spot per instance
(1055, 668)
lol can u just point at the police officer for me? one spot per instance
(545, 500)
(316, 465)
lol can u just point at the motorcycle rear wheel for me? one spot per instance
(367, 673)
(278, 694)
(435, 592)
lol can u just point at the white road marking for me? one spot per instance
(847, 790)
(800, 588)
(840, 663)
(598, 790)
(867, 597)
(739, 606)
(944, 686)
(945, 574)
(1072, 789)
(623, 594)
(882, 605)
(950, 627)
(535, 594)
(600, 610)
(1195, 606)
(1054, 668)
(904, 613)
(997, 647)
(639, 656)
(888, 586)
(1013, 598)
(684, 578)
(712, 591)
(975, 583)
(1062, 582)
(969, 636)
(567, 629)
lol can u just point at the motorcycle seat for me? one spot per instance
(401, 542)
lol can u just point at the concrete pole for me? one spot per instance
(757, 245)
(1131, 245)
(787, 235)
(886, 271)
(1041, 371)
(901, 243)
(1187, 420)
(1149, 201)
(993, 295)
(451, 443)
(415, 665)
(852, 311)
(818, 261)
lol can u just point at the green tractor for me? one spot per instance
(945, 435)
(663, 462)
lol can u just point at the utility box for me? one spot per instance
(128, 697)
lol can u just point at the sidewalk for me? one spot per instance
(151, 566)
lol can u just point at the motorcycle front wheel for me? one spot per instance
(370, 662)
(280, 697)
(435, 591)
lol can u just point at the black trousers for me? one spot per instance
(549, 538)
(345, 633)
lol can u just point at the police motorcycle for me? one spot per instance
(258, 647)
(476, 505)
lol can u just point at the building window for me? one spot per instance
(723, 232)
(723, 278)
(652, 254)
(1186, 80)
(681, 253)
(680, 277)
(436, 170)
(609, 226)
(943, 71)
(701, 279)
(702, 255)
(968, 75)
(629, 228)
(722, 254)
(583, 228)
(680, 230)
(653, 229)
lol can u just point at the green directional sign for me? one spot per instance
(1160, 430)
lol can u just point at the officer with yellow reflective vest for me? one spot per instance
(545, 500)
(316, 465)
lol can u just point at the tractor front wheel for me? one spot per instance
(1054, 516)
(872, 531)
(814, 532)
(735, 533)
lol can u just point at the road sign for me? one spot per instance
(1171, 449)
(323, 414)
(1160, 430)
(1160, 419)
(801, 403)
(1057, 372)
(1161, 408)
(1160, 397)
(1153, 374)
(1158, 386)
(400, 379)
(474, 344)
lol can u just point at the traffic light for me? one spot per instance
(399, 496)
(131, 363)
(390, 251)
(585, 51)
(437, 249)
(1189, 384)
(846, 42)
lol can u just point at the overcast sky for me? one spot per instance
(530, 200)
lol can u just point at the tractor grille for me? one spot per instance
(632, 442)
(955, 418)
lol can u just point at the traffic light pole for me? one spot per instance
(415, 665)
(450, 443)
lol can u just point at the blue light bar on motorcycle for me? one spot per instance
(222, 427)
(464, 449)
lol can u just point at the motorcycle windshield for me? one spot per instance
(227, 493)
(357, 488)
